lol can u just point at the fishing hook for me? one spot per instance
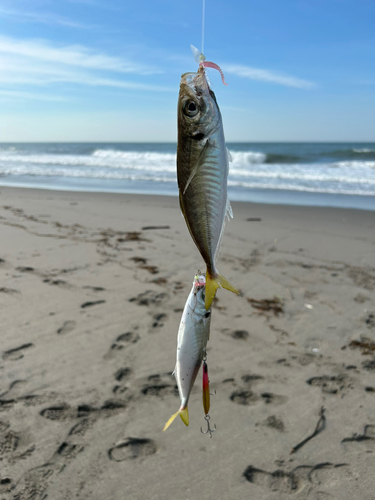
(209, 430)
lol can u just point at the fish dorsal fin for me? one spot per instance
(229, 156)
(229, 211)
(228, 215)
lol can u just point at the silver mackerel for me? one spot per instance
(202, 172)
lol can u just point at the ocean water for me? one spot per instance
(321, 174)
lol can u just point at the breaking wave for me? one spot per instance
(350, 170)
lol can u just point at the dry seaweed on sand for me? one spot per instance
(274, 305)
(365, 345)
(320, 426)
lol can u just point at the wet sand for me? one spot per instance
(92, 288)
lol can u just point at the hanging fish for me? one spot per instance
(193, 335)
(202, 170)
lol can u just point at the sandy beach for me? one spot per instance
(92, 287)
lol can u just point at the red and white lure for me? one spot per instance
(206, 399)
(201, 60)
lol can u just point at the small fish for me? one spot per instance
(193, 335)
(202, 171)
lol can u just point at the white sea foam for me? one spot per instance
(247, 157)
(135, 156)
(293, 187)
(301, 176)
(353, 164)
(249, 169)
(134, 161)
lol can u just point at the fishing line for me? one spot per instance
(203, 14)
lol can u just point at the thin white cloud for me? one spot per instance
(267, 76)
(75, 55)
(41, 17)
(40, 63)
(16, 94)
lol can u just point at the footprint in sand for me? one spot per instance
(9, 291)
(158, 320)
(160, 385)
(247, 397)
(34, 483)
(367, 437)
(8, 443)
(17, 352)
(4, 426)
(25, 269)
(149, 297)
(274, 422)
(132, 448)
(67, 327)
(236, 334)
(122, 377)
(94, 288)
(121, 342)
(68, 450)
(18, 389)
(5, 485)
(92, 303)
(243, 397)
(56, 412)
(296, 480)
(335, 384)
(64, 411)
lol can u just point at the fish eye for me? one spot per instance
(191, 108)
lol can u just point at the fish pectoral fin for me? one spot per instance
(212, 284)
(228, 210)
(184, 414)
(194, 171)
(198, 165)
(229, 156)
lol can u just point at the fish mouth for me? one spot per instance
(199, 281)
(197, 82)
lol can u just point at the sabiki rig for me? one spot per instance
(193, 335)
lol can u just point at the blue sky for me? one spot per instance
(95, 70)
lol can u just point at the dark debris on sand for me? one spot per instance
(274, 305)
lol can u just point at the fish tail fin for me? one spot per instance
(184, 414)
(213, 283)
(225, 284)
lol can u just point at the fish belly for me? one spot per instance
(205, 200)
(190, 351)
